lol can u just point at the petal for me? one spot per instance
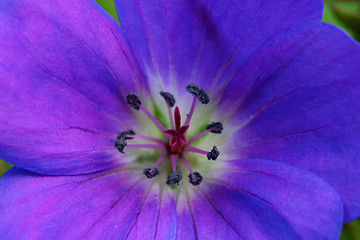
(261, 199)
(297, 102)
(64, 70)
(181, 41)
(107, 205)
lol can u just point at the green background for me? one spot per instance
(343, 13)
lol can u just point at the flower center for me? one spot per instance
(175, 145)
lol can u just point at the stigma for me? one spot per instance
(175, 145)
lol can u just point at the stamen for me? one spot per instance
(174, 178)
(120, 145)
(124, 135)
(199, 179)
(187, 165)
(188, 119)
(151, 173)
(176, 146)
(170, 101)
(151, 139)
(169, 98)
(134, 101)
(173, 162)
(213, 155)
(198, 92)
(214, 127)
(152, 146)
(160, 159)
(196, 150)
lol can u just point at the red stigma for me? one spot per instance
(178, 134)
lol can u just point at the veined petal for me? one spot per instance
(299, 104)
(177, 42)
(111, 204)
(64, 72)
(249, 199)
(261, 199)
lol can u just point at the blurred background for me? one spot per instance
(343, 13)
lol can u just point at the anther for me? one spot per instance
(152, 174)
(199, 179)
(213, 154)
(169, 98)
(133, 100)
(120, 145)
(174, 178)
(124, 135)
(198, 92)
(216, 127)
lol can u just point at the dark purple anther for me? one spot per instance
(213, 154)
(133, 100)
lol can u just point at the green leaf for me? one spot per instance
(109, 6)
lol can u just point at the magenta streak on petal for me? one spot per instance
(158, 212)
(241, 189)
(244, 144)
(259, 78)
(139, 211)
(217, 210)
(223, 67)
(113, 205)
(191, 215)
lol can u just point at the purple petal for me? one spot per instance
(181, 41)
(107, 205)
(298, 103)
(260, 199)
(64, 72)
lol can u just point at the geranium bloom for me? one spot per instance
(193, 120)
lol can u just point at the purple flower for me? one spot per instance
(262, 89)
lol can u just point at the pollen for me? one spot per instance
(133, 100)
(198, 92)
(174, 178)
(169, 98)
